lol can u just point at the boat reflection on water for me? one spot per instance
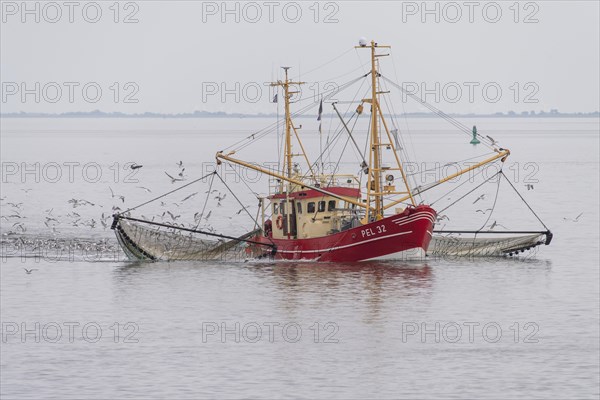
(295, 287)
(366, 284)
(332, 275)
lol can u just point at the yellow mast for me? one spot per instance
(374, 183)
(375, 191)
(288, 168)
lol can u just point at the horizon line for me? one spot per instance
(224, 114)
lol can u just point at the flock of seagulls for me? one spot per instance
(39, 246)
(79, 212)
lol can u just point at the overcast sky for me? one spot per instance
(180, 55)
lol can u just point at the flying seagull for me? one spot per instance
(495, 224)
(479, 198)
(574, 220)
(492, 140)
(189, 197)
(173, 180)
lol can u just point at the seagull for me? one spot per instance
(173, 180)
(144, 188)
(484, 212)
(26, 190)
(189, 197)
(208, 215)
(15, 205)
(479, 198)
(113, 195)
(495, 224)
(442, 217)
(492, 140)
(173, 217)
(181, 172)
(573, 220)
(529, 186)
(221, 198)
(180, 164)
(241, 209)
(80, 202)
(29, 271)
(136, 166)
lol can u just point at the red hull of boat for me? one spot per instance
(391, 237)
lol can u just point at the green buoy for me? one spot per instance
(475, 140)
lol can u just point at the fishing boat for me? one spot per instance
(311, 214)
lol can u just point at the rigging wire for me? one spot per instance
(456, 188)
(238, 200)
(527, 204)
(451, 163)
(240, 144)
(494, 203)
(403, 154)
(325, 63)
(468, 193)
(486, 141)
(166, 194)
(212, 179)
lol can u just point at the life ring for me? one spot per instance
(279, 222)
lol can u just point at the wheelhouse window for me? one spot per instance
(331, 205)
(282, 207)
(275, 208)
(321, 206)
(311, 207)
(299, 208)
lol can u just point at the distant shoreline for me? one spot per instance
(220, 114)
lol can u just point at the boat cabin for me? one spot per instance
(310, 214)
